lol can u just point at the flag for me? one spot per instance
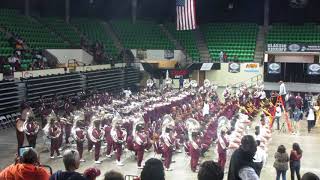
(186, 14)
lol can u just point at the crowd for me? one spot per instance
(241, 167)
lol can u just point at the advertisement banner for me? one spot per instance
(234, 67)
(206, 66)
(313, 69)
(251, 67)
(297, 47)
(168, 54)
(274, 68)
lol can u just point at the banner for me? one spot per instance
(251, 67)
(234, 67)
(206, 66)
(168, 54)
(274, 68)
(313, 69)
(279, 47)
(176, 73)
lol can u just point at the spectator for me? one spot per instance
(153, 169)
(310, 176)
(310, 118)
(225, 57)
(92, 173)
(260, 157)
(210, 170)
(241, 163)
(283, 92)
(221, 56)
(278, 115)
(297, 116)
(113, 175)
(71, 161)
(295, 156)
(292, 104)
(281, 162)
(26, 167)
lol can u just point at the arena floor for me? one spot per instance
(310, 144)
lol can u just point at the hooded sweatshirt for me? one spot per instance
(24, 172)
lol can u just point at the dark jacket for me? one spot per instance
(239, 160)
(281, 162)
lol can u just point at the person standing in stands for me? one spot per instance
(295, 164)
(283, 92)
(281, 162)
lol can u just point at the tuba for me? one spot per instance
(30, 120)
(150, 83)
(186, 83)
(223, 124)
(95, 137)
(193, 83)
(168, 123)
(206, 83)
(52, 120)
(78, 132)
(193, 126)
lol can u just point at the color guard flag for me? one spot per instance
(186, 14)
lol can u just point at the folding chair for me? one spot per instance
(10, 122)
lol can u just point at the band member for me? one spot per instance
(79, 135)
(53, 132)
(67, 129)
(31, 128)
(140, 142)
(195, 150)
(222, 149)
(119, 136)
(107, 135)
(96, 136)
(167, 148)
(19, 131)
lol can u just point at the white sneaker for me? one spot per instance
(91, 150)
(51, 157)
(169, 169)
(140, 167)
(179, 151)
(82, 160)
(60, 149)
(60, 156)
(97, 162)
(119, 163)
(108, 156)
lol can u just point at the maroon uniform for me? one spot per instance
(54, 135)
(167, 149)
(31, 133)
(194, 150)
(140, 144)
(108, 138)
(119, 136)
(222, 151)
(97, 135)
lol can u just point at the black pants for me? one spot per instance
(295, 169)
(310, 125)
(258, 167)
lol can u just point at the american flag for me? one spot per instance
(186, 14)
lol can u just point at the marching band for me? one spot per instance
(167, 120)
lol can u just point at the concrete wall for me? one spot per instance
(92, 68)
(36, 73)
(222, 77)
(63, 55)
(155, 55)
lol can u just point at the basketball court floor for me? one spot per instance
(310, 143)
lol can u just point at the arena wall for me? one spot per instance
(223, 77)
(63, 55)
(36, 73)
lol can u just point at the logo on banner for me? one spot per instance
(234, 67)
(274, 68)
(313, 69)
(178, 73)
(168, 54)
(294, 47)
(251, 67)
(206, 66)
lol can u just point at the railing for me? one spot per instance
(250, 82)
